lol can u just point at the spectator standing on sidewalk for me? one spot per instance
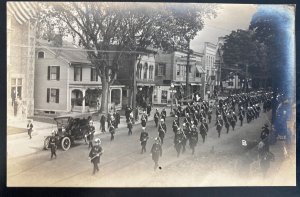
(52, 143)
(29, 128)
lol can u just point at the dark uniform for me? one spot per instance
(175, 125)
(129, 126)
(102, 123)
(227, 125)
(117, 119)
(193, 140)
(90, 136)
(241, 117)
(156, 117)
(94, 155)
(29, 129)
(143, 138)
(53, 146)
(219, 124)
(203, 131)
(163, 114)
(156, 152)
(233, 120)
(144, 120)
(162, 129)
(112, 132)
(178, 141)
(209, 114)
(148, 109)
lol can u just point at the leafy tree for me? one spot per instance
(124, 27)
(243, 52)
(273, 27)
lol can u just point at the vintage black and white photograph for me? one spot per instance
(128, 94)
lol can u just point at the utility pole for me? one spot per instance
(187, 88)
(134, 89)
(246, 80)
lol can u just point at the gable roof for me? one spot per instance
(68, 51)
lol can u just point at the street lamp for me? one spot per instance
(172, 89)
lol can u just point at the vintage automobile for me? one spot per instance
(70, 127)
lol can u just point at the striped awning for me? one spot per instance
(22, 11)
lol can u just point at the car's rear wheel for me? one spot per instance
(65, 143)
(46, 143)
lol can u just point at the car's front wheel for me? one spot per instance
(65, 143)
(46, 143)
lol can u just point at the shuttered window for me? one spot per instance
(52, 95)
(53, 73)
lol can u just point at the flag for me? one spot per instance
(22, 11)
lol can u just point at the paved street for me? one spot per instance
(122, 165)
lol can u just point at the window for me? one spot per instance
(161, 69)
(139, 71)
(94, 76)
(145, 70)
(230, 83)
(124, 93)
(151, 72)
(53, 73)
(164, 96)
(41, 55)
(178, 69)
(77, 73)
(198, 74)
(16, 88)
(52, 95)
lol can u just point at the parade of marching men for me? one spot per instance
(115, 96)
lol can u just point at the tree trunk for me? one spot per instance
(105, 94)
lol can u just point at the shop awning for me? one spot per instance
(200, 69)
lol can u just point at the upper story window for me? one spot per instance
(53, 73)
(77, 73)
(145, 70)
(94, 76)
(139, 71)
(151, 71)
(160, 69)
(41, 55)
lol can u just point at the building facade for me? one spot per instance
(171, 70)
(66, 81)
(21, 27)
(210, 69)
(145, 69)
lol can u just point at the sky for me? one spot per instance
(230, 17)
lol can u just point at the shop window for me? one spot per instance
(164, 96)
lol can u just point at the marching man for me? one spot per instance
(162, 129)
(143, 138)
(144, 120)
(156, 152)
(95, 154)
